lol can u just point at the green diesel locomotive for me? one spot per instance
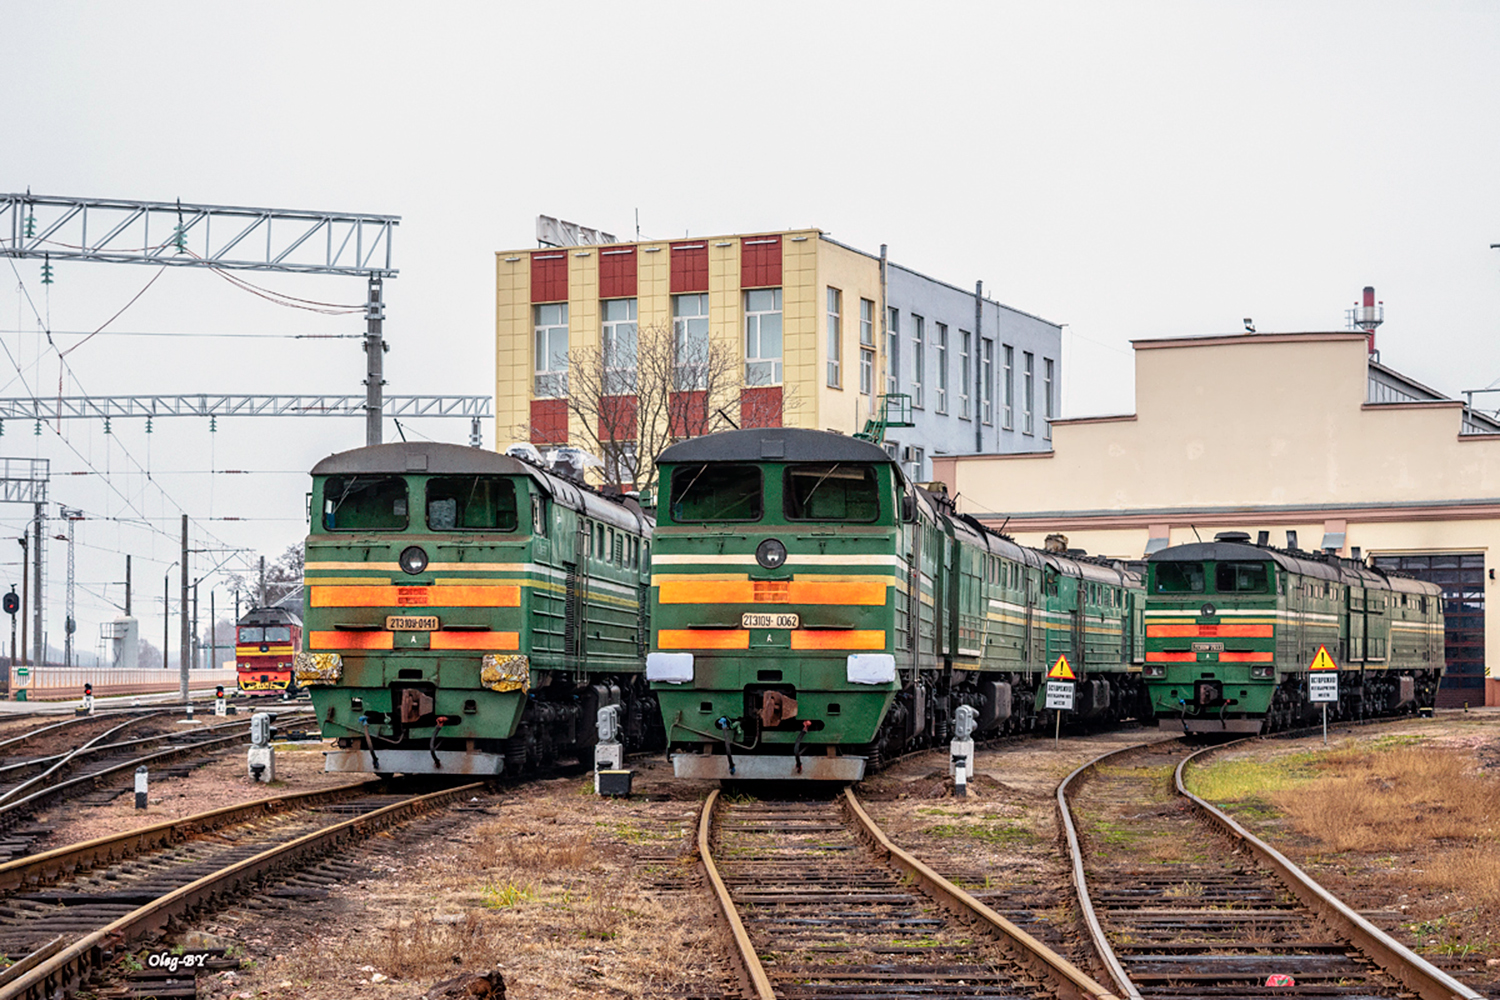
(469, 613)
(1233, 628)
(815, 614)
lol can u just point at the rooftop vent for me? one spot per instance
(1242, 537)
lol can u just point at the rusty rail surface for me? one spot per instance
(752, 973)
(77, 961)
(1080, 882)
(1070, 980)
(38, 869)
(1414, 972)
(65, 724)
(11, 811)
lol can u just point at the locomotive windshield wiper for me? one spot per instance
(823, 479)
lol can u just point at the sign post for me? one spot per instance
(1323, 684)
(1060, 681)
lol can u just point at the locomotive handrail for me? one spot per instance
(1414, 971)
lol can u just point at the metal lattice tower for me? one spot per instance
(248, 239)
(70, 624)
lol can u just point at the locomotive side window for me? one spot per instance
(471, 503)
(831, 492)
(716, 493)
(1177, 577)
(1241, 578)
(538, 514)
(364, 503)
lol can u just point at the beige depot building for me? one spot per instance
(1286, 433)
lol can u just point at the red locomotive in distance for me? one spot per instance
(265, 641)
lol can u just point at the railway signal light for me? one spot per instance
(11, 603)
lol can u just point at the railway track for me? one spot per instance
(107, 766)
(67, 913)
(820, 903)
(1182, 902)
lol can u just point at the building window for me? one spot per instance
(893, 351)
(942, 367)
(1026, 423)
(867, 348)
(965, 371)
(918, 358)
(1009, 393)
(987, 380)
(917, 463)
(619, 346)
(551, 327)
(763, 337)
(835, 337)
(1047, 399)
(690, 341)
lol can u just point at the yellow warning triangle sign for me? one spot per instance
(1323, 661)
(1061, 671)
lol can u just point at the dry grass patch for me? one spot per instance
(1396, 800)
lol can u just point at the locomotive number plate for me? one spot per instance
(752, 620)
(1208, 647)
(411, 623)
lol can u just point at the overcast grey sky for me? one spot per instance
(1131, 170)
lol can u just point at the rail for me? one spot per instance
(752, 972)
(76, 961)
(1073, 981)
(36, 869)
(1064, 979)
(1414, 971)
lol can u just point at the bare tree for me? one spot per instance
(638, 395)
(283, 575)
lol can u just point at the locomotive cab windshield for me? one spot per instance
(1229, 577)
(830, 492)
(364, 503)
(471, 503)
(714, 492)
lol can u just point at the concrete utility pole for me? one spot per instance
(39, 647)
(184, 651)
(375, 348)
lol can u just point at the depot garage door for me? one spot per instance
(1461, 575)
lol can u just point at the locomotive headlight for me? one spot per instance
(771, 554)
(1154, 670)
(1264, 673)
(413, 559)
